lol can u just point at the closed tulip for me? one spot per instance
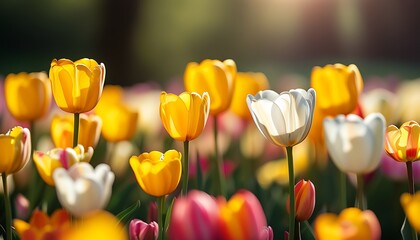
(47, 163)
(15, 147)
(82, 189)
(285, 118)
(119, 123)
(195, 216)
(351, 223)
(158, 174)
(338, 88)
(140, 230)
(355, 144)
(27, 95)
(77, 86)
(403, 144)
(89, 130)
(305, 200)
(246, 83)
(184, 117)
(215, 77)
(411, 207)
(242, 217)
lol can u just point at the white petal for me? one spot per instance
(376, 124)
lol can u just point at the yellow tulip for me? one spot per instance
(246, 83)
(98, 225)
(89, 130)
(77, 86)
(337, 88)
(15, 147)
(158, 174)
(111, 94)
(215, 77)
(184, 117)
(403, 144)
(411, 206)
(27, 95)
(351, 224)
(119, 123)
(47, 162)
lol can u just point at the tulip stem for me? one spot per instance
(161, 208)
(343, 190)
(185, 169)
(217, 163)
(410, 177)
(411, 191)
(76, 129)
(7, 207)
(291, 192)
(360, 192)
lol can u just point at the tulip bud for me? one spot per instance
(195, 216)
(305, 199)
(140, 230)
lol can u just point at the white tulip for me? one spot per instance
(284, 118)
(82, 189)
(355, 144)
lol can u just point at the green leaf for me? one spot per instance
(307, 231)
(168, 216)
(124, 215)
(407, 232)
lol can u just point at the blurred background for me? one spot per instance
(141, 41)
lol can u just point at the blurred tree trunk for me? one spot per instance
(115, 38)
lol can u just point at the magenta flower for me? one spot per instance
(195, 216)
(140, 230)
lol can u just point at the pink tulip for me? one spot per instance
(140, 230)
(195, 217)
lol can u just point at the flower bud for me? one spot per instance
(140, 230)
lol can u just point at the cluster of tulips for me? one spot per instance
(75, 185)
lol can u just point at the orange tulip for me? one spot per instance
(41, 226)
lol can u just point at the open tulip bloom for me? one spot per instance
(285, 119)
(83, 189)
(76, 86)
(355, 144)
